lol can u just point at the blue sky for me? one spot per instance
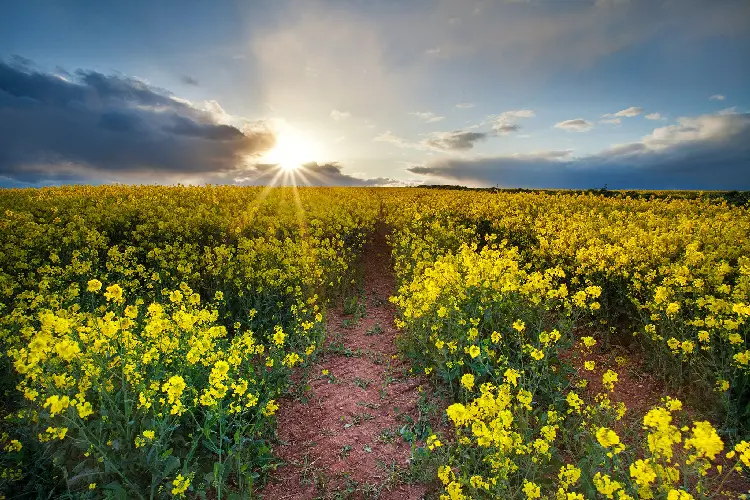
(516, 93)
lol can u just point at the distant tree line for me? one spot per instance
(737, 198)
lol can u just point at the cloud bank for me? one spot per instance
(310, 174)
(704, 152)
(91, 127)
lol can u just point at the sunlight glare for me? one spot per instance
(292, 150)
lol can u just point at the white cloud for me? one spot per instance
(654, 116)
(575, 125)
(627, 113)
(505, 122)
(706, 128)
(612, 121)
(216, 111)
(392, 138)
(465, 105)
(340, 115)
(716, 97)
(427, 116)
(728, 111)
(434, 51)
(509, 116)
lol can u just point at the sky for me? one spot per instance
(628, 94)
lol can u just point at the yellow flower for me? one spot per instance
(607, 437)
(94, 285)
(180, 485)
(679, 495)
(569, 475)
(605, 485)
(113, 293)
(13, 445)
(672, 309)
(57, 404)
(531, 490)
(270, 408)
(468, 381)
(519, 325)
(433, 442)
(525, 397)
(642, 472)
(705, 440)
(149, 434)
(608, 380)
(474, 351)
(278, 336)
(589, 365)
(84, 409)
(511, 376)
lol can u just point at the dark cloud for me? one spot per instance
(309, 174)
(705, 152)
(455, 141)
(89, 126)
(189, 80)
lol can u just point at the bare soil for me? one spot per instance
(341, 440)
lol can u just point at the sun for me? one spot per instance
(292, 149)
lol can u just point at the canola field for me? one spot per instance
(148, 334)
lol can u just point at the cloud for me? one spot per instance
(458, 140)
(189, 80)
(340, 115)
(654, 116)
(505, 122)
(575, 125)
(515, 114)
(90, 126)
(506, 128)
(704, 152)
(611, 121)
(627, 113)
(716, 97)
(392, 138)
(465, 105)
(728, 111)
(454, 141)
(427, 116)
(309, 174)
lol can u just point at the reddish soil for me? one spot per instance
(341, 440)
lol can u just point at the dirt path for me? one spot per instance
(341, 439)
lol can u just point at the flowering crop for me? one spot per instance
(493, 287)
(149, 331)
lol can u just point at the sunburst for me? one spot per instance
(292, 150)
